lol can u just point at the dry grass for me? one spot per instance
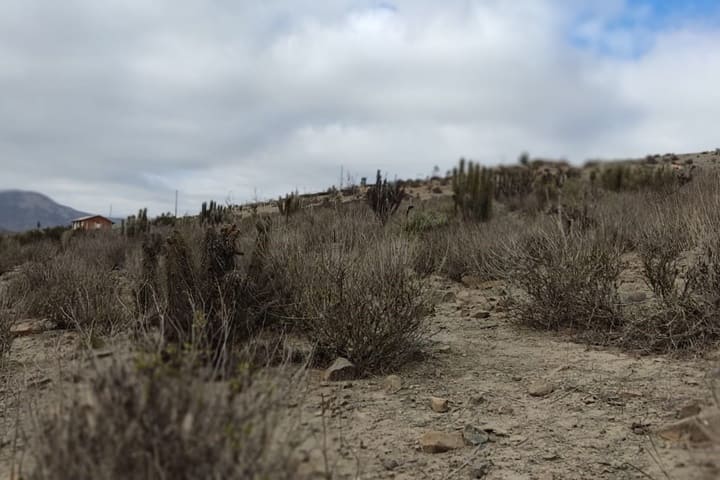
(158, 423)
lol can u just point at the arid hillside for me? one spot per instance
(535, 321)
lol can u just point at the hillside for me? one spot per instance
(22, 210)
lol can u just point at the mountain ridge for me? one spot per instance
(22, 210)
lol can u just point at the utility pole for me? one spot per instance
(176, 202)
(341, 177)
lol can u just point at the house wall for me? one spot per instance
(95, 223)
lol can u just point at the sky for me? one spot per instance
(123, 102)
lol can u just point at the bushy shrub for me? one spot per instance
(155, 423)
(569, 282)
(425, 221)
(623, 177)
(686, 317)
(364, 304)
(73, 292)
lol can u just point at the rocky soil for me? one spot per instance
(490, 400)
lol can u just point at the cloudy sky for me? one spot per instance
(124, 101)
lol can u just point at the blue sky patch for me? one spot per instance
(630, 33)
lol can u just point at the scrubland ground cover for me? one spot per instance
(566, 313)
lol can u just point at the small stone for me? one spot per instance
(31, 327)
(342, 369)
(635, 297)
(390, 464)
(550, 456)
(439, 442)
(693, 429)
(482, 315)
(480, 469)
(392, 384)
(439, 405)
(475, 436)
(506, 410)
(448, 297)
(689, 410)
(471, 281)
(40, 382)
(541, 389)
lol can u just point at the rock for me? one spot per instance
(392, 384)
(31, 327)
(341, 369)
(439, 405)
(480, 469)
(475, 436)
(698, 429)
(481, 315)
(506, 410)
(541, 389)
(390, 464)
(471, 281)
(449, 297)
(689, 410)
(439, 442)
(635, 297)
(39, 382)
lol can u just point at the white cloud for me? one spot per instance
(130, 100)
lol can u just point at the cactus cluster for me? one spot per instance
(639, 177)
(473, 191)
(385, 197)
(136, 224)
(213, 213)
(512, 182)
(289, 205)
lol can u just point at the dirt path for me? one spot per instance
(592, 421)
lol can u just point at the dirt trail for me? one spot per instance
(595, 423)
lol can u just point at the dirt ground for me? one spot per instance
(594, 417)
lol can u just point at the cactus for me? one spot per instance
(289, 205)
(385, 198)
(472, 191)
(212, 213)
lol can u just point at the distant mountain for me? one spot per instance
(20, 210)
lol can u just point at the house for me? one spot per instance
(92, 222)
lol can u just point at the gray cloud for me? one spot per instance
(122, 102)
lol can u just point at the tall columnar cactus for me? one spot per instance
(212, 213)
(289, 205)
(472, 191)
(385, 198)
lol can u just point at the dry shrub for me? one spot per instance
(13, 254)
(460, 249)
(570, 282)
(686, 316)
(660, 244)
(6, 319)
(362, 304)
(155, 423)
(73, 292)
